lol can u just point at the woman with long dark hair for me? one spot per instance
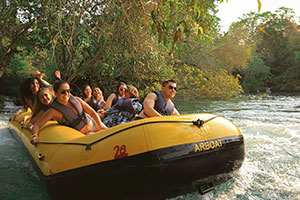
(113, 97)
(28, 91)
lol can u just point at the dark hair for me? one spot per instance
(83, 88)
(120, 83)
(25, 89)
(164, 83)
(58, 84)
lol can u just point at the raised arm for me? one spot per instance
(109, 100)
(148, 104)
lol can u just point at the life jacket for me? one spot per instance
(95, 106)
(163, 107)
(125, 107)
(72, 119)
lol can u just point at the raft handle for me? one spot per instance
(203, 189)
(198, 123)
(88, 147)
(41, 157)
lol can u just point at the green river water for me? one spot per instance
(271, 170)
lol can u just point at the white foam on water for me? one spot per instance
(271, 128)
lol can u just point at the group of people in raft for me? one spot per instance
(90, 113)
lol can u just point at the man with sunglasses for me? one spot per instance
(160, 104)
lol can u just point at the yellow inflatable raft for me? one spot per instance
(152, 158)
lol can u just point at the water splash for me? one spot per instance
(271, 170)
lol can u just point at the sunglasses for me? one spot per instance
(65, 91)
(172, 87)
(123, 89)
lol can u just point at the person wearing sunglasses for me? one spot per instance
(113, 97)
(69, 111)
(160, 103)
(125, 108)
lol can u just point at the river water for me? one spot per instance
(271, 170)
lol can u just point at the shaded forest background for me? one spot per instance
(143, 42)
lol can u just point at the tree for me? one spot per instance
(17, 20)
(275, 37)
(107, 41)
(256, 76)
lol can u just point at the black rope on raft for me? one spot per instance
(199, 123)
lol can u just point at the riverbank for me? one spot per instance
(8, 104)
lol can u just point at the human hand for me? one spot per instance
(101, 111)
(57, 74)
(29, 126)
(25, 119)
(34, 139)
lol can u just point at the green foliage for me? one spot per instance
(256, 75)
(275, 37)
(140, 42)
(18, 71)
(17, 20)
(204, 84)
(292, 75)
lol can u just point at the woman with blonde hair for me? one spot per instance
(43, 101)
(97, 100)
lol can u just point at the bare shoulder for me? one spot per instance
(151, 96)
(79, 99)
(52, 113)
(112, 96)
